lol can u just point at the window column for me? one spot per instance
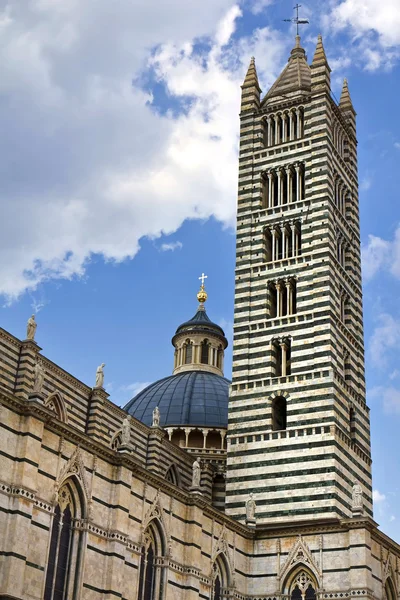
(284, 358)
(299, 132)
(284, 234)
(269, 131)
(277, 131)
(298, 182)
(273, 245)
(291, 125)
(289, 292)
(279, 299)
(280, 187)
(284, 127)
(289, 180)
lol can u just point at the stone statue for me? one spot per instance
(250, 508)
(357, 498)
(38, 378)
(100, 376)
(196, 474)
(156, 417)
(126, 431)
(31, 328)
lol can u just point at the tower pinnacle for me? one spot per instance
(251, 88)
(345, 102)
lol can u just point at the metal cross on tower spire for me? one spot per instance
(202, 278)
(297, 20)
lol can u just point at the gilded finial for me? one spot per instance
(202, 294)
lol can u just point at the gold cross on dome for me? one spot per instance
(202, 278)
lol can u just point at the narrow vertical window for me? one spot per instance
(188, 352)
(279, 414)
(62, 571)
(204, 352)
(151, 574)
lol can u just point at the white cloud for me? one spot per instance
(377, 496)
(124, 393)
(389, 396)
(89, 165)
(397, 145)
(171, 246)
(365, 183)
(375, 254)
(385, 338)
(394, 374)
(378, 254)
(227, 26)
(134, 388)
(375, 27)
(258, 6)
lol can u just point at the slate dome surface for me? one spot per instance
(192, 398)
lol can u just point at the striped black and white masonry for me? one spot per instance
(299, 434)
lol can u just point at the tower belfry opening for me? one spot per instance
(298, 300)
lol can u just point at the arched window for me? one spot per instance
(204, 352)
(281, 358)
(221, 577)
(172, 475)
(152, 572)
(220, 357)
(390, 592)
(64, 551)
(302, 586)
(279, 413)
(188, 352)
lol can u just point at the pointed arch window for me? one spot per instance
(303, 587)
(390, 593)
(172, 475)
(65, 546)
(221, 578)
(152, 571)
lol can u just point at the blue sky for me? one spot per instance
(119, 174)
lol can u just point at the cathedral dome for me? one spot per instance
(190, 398)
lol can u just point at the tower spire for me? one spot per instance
(345, 100)
(320, 69)
(251, 88)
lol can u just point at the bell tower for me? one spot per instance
(298, 434)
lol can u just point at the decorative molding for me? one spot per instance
(75, 467)
(300, 554)
(56, 403)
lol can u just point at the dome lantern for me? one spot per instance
(199, 343)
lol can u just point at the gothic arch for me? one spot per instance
(172, 474)
(389, 589)
(152, 572)
(64, 561)
(74, 470)
(301, 583)
(56, 403)
(300, 558)
(222, 567)
(116, 439)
